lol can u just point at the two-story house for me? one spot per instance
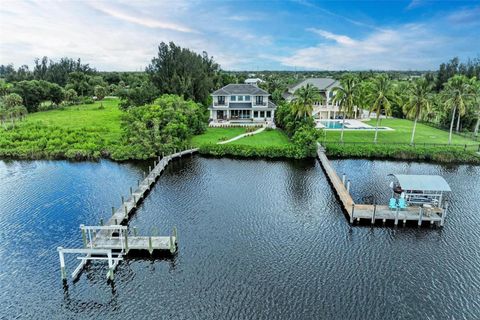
(241, 103)
(325, 109)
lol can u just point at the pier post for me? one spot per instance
(348, 186)
(84, 236)
(113, 211)
(154, 163)
(110, 266)
(172, 245)
(123, 200)
(135, 231)
(126, 241)
(143, 175)
(150, 245)
(444, 214)
(134, 201)
(420, 216)
(374, 212)
(175, 234)
(163, 154)
(343, 178)
(149, 169)
(396, 217)
(353, 211)
(138, 183)
(126, 212)
(158, 159)
(101, 222)
(131, 190)
(63, 273)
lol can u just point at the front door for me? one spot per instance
(221, 115)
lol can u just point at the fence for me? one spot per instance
(470, 147)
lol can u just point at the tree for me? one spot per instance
(346, 97)
(4, 87)
(138, 95)
(12, 108)
(418, 102)
(180, 71)
(54, 93)
(79, 81)
(304, 99)
(100, 92)
(33, 93)
(71, 96)
(456, 94)
(382, 97)
(475, 85)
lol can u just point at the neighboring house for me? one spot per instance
(254, 81)
(240, 103)
(326, 109)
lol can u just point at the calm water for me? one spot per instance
(258, 239)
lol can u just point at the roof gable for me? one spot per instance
(320, 83)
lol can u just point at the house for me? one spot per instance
(240, 103)
(254, 81)
(326, 109)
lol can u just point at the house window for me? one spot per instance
(262, 114)
(221, 100)
(269, 114)
(247, 98)
(240, 98)
(255, 114)
(233, 98)
(259, 100)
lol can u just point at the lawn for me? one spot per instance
(265, 138)
(214, 135)
(401, 134)
(76, 132)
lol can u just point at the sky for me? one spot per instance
(244, 35)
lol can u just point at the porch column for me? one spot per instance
(211, 115)
(328, 114)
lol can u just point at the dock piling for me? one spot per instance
(123, 200)
(113, 211)
(348, 186)
(84, 236)
(126, 212)
(396, 217)
(353, 211)
(63, 273)
(420, 216)
(135, 233)
(131, 190)
(101, 222)
(444, 214)
(343, 178)
(374, 212)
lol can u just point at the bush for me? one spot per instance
(87, 100)
(247, 151)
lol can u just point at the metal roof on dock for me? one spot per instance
(422, 182)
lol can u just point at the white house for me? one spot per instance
(254, 81)
(240, 103)
(326, 109)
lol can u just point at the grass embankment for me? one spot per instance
(76, 132)
(430, 144)
(266, 144)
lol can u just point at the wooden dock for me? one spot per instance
(111, 240)
(374, 212)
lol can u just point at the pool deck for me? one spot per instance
(350, 124)
(372, 213)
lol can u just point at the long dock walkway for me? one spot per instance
(375, 212)
(111, 240)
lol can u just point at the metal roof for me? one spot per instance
(321, 83)
(240, 89)
(422, 182)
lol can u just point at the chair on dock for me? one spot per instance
(402, 204)
(392, 204)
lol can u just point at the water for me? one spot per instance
(332, 124)
(258, 239)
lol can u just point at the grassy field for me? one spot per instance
(76, 132)
(214, 135)
(401, 134)
(265, 138)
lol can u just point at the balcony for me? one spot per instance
(219, 103)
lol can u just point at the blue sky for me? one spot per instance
(244, 35)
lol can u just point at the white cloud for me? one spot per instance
(410, 46)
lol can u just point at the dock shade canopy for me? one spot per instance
(422, 182)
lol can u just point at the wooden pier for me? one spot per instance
(111, 240)
(372, 213)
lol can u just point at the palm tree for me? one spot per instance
(382, 97)
(476, 99)
(346, 96)
(456, 94)
(305, 97)
(418, 102)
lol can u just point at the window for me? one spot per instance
(269, 114)
(221, 100)
(259, 100)
(255, 114)
(240, 98)
(247, 98)
(262, 114)
(233, 98)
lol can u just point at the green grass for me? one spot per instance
(76, 132)
(401, 134)
(265, 138)
(214, 135)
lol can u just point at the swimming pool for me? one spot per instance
(332, 124)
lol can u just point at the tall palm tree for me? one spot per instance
(418, 102)
(382, 97)
(346, 96)
(304, 99)
(476, 100)
(456, 94)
